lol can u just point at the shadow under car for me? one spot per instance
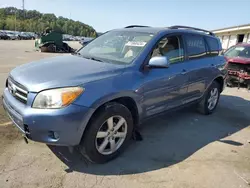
(168, 139)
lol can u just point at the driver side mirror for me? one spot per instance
(159, 62)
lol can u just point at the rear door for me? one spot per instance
(200, 62)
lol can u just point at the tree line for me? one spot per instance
(12, 18)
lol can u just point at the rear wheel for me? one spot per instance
(210, 100)
(48, 48)
(108, 133)
(52, 48)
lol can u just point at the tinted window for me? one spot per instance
(170, 47)
(213, 45)
(196, 47)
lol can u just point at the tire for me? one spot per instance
(204, 106)
(66, 48)
(51, 48)
(90, 143)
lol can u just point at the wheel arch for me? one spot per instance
(220, 81)
(127, 101)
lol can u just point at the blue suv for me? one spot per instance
(97, 97)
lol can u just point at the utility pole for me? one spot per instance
(23, 9)
(15, 19)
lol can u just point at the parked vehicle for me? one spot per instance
(95, 98)
(12, 35)
(66, 37)
(20, 36)
(32, 35)
(52, 42)
(24, 36)
(238, 58)
(4, 36)
(85, 41)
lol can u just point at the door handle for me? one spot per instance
(184, 71)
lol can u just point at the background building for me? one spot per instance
(233, 35)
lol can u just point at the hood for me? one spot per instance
(62, 71)
(240, 60)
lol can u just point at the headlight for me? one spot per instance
(56, 98)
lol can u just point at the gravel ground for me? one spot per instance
(182, 149)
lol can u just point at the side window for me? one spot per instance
(213, 45)
(170, 47)
(196, 47)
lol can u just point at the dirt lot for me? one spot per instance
(182, 149)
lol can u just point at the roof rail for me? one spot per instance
(131, 26)
(193, 28)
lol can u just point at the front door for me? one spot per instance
(166, 88)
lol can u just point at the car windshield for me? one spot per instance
(238, 51)
(120, 47)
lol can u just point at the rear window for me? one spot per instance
(196, 47)
(213, 45)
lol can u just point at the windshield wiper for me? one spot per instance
(93, 58)
(75, 53)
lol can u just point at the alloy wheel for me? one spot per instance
(111, 135)
(212, 100)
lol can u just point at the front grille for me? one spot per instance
(17, 90)
(238, 67)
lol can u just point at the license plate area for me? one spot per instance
(15, 117)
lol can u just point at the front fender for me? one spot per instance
(102, 91)
(130, 94)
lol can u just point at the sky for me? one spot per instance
(104, 15)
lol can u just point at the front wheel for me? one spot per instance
(108, 133)
(210, 99)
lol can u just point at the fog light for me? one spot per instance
(54, 135)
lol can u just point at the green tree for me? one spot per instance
(10, 24)
(32, 20)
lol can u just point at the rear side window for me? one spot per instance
(213, 46)
(196, 47)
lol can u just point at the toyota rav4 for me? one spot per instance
(96, 97)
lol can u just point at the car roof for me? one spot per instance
(155, 30)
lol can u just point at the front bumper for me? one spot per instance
(238, 76)
(40, 125)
